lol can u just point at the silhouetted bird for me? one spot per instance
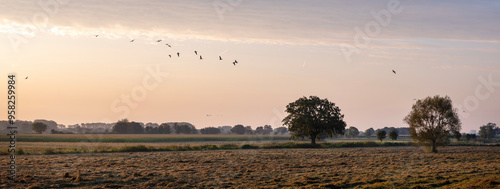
(394, 71)
(196, 53)
(220, 58)
(201, 57)
(170, 56)
(235, 62)
(132, 40)
(26, 78)
(177, 54)
(169, 45)
(159, 40)
(96, 35)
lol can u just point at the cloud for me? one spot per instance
(299, 22)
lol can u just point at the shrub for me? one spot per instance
(248, 146)
(20, 152)
(139, 148)
(48, 151)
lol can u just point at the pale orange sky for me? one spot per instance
(285, 50)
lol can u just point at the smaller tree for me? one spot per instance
(393, 134)
(267, 129)
(259, 130)
(280, 130)
(238, 129)
(164, 128)
(469, 136)
(352, 132)
(381, 135)
(249, 130)
(369, 132)
(210, 130)
(39, 127)
(431, 121)
(487, 131)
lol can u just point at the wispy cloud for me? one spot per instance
(284, 22)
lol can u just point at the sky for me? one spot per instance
(344, 51)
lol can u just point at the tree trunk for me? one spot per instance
(434, 150)
(313, 140)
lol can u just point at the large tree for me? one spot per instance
(432, 120)
(308, 117)
(39, 127)
(487, 131)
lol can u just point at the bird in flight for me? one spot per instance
(394, 71)
(220, 58)
(159, 40)
(97, 35)
(201, 58)
(169, 45)
(235, 62)
(132, 40)
(177, 54)
(170, 56)
(26, 77)
(195, 52)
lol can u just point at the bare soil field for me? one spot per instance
(376, 167)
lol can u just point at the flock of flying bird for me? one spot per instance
(178, 54)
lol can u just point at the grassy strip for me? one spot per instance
(272, 145)
(148, 139)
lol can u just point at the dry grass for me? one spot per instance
(377, 167)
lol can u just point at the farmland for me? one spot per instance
(376, 167)
(237, 161)
(95, 143)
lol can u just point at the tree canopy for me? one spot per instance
(393, 135)
(125, 127)
(352, 132)
(238, 129)
(432, 121)
(369, 132)
(308, 117)
(39, 127)
(487, 131)
(381, 134)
